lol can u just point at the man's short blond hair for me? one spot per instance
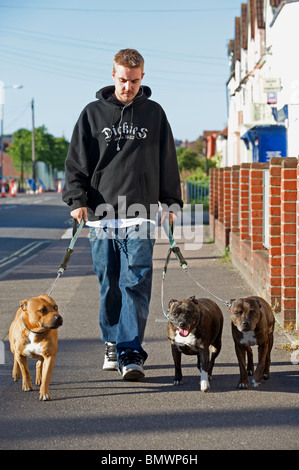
(129, 58)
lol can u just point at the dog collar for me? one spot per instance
(31, 331)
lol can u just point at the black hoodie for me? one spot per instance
(120, 157)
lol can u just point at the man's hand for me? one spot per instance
(79, 214)
(170, 215)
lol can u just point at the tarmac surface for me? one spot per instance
(96, 409)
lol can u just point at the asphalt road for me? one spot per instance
(96, 410)
(28, 224)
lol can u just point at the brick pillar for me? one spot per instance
(244, 201)
(275, 231)
(235, 187)
(288, 239)
(256, 204)
(226, 203)
(220, 196)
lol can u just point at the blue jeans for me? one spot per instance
(122, 260)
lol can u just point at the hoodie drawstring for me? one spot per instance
(140, 94)
(120, 124)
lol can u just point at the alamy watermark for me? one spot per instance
(188, 227)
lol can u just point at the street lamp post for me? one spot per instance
(2, 101)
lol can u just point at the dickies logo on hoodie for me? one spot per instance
(124, 131)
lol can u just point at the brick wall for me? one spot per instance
(275, 232)
(234, 198)
(237, 221)
(256, 205)
(244, 201)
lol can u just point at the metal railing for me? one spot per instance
(197, 191)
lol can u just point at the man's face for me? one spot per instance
(127, 82)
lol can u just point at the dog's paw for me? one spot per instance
(242, 386)
(255, 384)
(27, 388)
(266, 376)
(177, 382)
(204, 386)
(45, 397)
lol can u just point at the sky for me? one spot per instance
(61, 52)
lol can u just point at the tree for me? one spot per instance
(61, 146)
(21, 147)
(48, 149)
(187, 159)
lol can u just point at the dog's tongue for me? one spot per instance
(183, 332)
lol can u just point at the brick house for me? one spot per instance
(254, 197)
(263, 87)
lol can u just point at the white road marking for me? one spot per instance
(20, 253)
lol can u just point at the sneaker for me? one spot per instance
(110, 360)
(130, 365)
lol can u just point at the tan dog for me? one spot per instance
(194, 326)
(252, 324)
(33, 333)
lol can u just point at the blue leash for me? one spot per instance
(173, 249)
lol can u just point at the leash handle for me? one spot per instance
(76, 232)
(179, 256)
(70, 249)
(174, 248)
(65, 260)
(169, 231)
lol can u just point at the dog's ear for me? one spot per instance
(23, 304)
(46, 298)
(171, 302)
(194, 299)
(232, 301)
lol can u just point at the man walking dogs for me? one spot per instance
(121, 163)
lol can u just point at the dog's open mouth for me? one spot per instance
(184, 332)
